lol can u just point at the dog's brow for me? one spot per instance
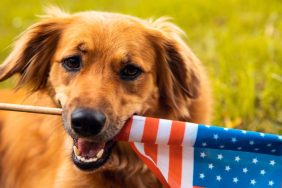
(82, 47)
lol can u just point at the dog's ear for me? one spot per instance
(32, 54)
(177, 67)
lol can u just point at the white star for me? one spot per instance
(255, 160)
(245, 170)
(270, 183)
(202, 176)
(227, 168)
(221, 146)
(234, 139)
(253, 182)
(237, 159)
(274, 150)
(262, 172)
(251, 142)
(280, 137)
(211, 166)
(226, 129)
(256, 149)
(203, 155)
(208, 126)
(204, 144)
(239, 148)
(272, 162)
(215, 136)
(262, 134)
(220, 156)
(218, 178)
(235, 180)
(269, 145)
(244, 132)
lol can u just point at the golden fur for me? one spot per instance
(35, 149)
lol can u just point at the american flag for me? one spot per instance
(187, 155)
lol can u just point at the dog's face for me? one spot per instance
(102, 68)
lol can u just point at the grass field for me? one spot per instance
(239, 41)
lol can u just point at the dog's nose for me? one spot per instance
(87, 122)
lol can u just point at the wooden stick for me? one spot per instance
(31, 109)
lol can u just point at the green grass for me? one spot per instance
(239, 41)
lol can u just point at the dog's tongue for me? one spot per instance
(88, 149)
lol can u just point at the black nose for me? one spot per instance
(87, 122)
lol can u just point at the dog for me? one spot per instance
(101, 68)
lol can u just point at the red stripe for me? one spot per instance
(151, 166)
(125, 132)
(152, 151)
(175, 166)
(177, 133)
(150, 130)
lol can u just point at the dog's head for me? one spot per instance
(102, 68)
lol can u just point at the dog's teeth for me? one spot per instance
(76, 151)
(100, 153)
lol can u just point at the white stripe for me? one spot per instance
(163, 131)
(137, 128)
(163, 160)
(187, 167)
(190, 134)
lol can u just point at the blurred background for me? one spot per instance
(238, 41)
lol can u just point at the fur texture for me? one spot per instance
(36, 149)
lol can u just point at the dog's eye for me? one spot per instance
(130, 72)
(72, 64)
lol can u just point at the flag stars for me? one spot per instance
(227, 168)
(273, 150)
(211, 166)
(272, 162)
(202, 176)
(253, 182)
(245, 170)
(244, 132)
(234, 139)
(203, 154)
(251, 142)
(271, 183)
(262, 172)
(215, 136)
(239, 148)
(262, 134)
(237, 159)
(235, 180)
(226, 129)
(204, 144)
(218, 178)
(280, 137)
(255, 161)
(221, 146)
(269, 145)
(219, 156)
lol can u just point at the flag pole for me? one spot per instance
(31, 109)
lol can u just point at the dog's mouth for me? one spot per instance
(89, 155)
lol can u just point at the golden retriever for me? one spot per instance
(101, 68)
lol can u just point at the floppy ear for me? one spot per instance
(178, 73)
(32, 54)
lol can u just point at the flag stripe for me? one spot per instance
(163, 160)
(175, 166)
(187, 167)
(137, 129)
(152, 151)
(150, 130)
(176, 133)
(163, 131)
(139, 149)
(190, 134)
